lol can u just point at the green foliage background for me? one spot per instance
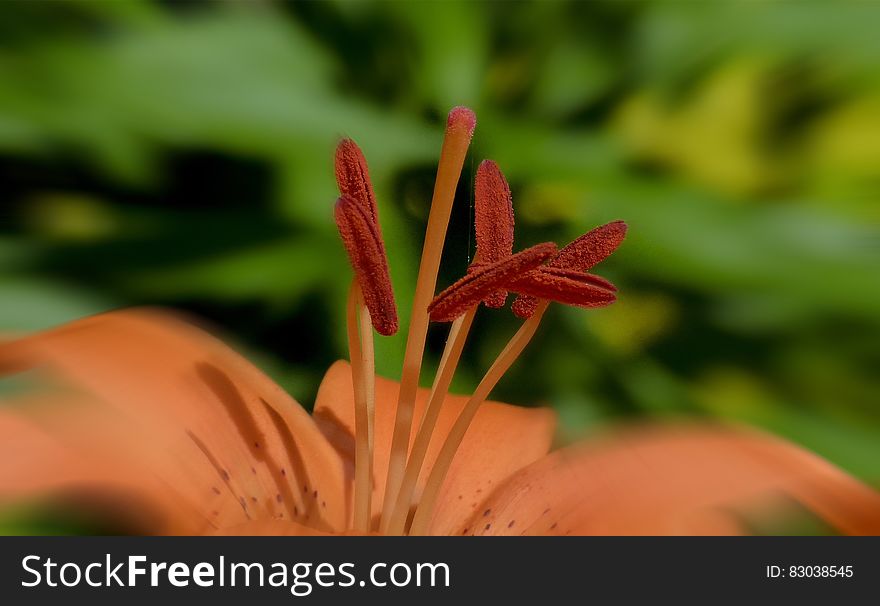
(180, 154)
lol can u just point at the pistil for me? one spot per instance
(459, 129)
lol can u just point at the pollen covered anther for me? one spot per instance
(360, 236)
(353, 177)
(567, 287)
(485, 279)
(572, 262)
(591, 248)
(493, 222)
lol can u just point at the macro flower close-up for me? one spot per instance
(145, 417)
(296, 297)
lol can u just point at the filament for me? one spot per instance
(360, 345)
(500, 366)
(458, 333)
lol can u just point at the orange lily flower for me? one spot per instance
(200, 441)
(155, 421)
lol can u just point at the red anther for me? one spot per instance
(484, 279)
(580, 255)
(591, 248)
(571, 288)
(493, 222)
(363, 243)
(353, 177)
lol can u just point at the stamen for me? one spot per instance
(502, 363)
(564, 286)
(459, 130)
(363, 243)
(581, 276)
(360, 346)
(580, 254)
(353, 177)
(493, 222)
(485, 279)
(591, 248)
(446, 370)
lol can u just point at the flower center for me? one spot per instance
(494, 271)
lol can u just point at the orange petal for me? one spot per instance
(33, 464)
(271, 528)
(670, 481)
(278, 528)
(482, 280)
(202, 404)
(365, 249)
(501, 440)
(59, 443)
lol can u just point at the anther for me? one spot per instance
(363, 243)
(485, 279)
(493, 222)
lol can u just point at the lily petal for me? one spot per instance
(501, 440)
(271, 528)
(482, 280)
(52, 447)
(671, 481)
(203, 404)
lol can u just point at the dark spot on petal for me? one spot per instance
(512, 522)
(487, 512)
(488, 526)
(254, 499)
(254, 470)
(546, 511)
(554, 526)
(324, 504)
(215, 489)
(315, 494)
(224, 474)
(283, 471)
(278, 497)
